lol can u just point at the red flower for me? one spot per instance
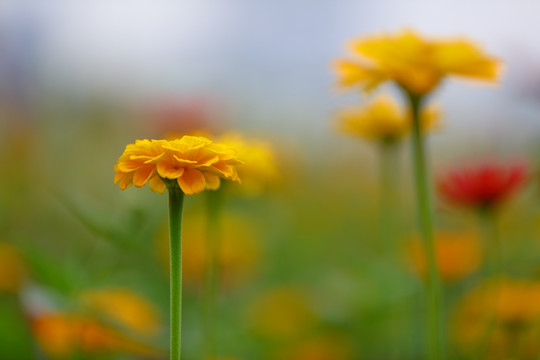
(483, 185)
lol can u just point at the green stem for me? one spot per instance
(435, 340)
(213, 244)
(176, 201)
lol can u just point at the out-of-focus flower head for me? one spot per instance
(509, 310)
(12, 269)
(482, 186)
(383, 120)
(259, 169)
(282, 313)
(415, 63)
(238, 255)
(458, 255)
(322, 347)
(124, 308)
(63, 335)
(196, 163)
(185, 115)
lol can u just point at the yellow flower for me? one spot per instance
(282, 313)
(12, 269)
(458, 255)
(124, 308)
(415, 63)
(63, 335)
(238, 251)
(194, 162)
(260, 165)
(509, 310)
(383, 120)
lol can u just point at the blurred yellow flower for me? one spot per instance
(383, 120)
(282, 313)
(510, 310)
(415, 63)
(124, 308)
(323, 347)
(12, 269)
(238, 256)
(194, 162)
(458, 255)
(63, 335)
(259, 170)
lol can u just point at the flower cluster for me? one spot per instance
(416, 64)
(196, 163)
(383, 120)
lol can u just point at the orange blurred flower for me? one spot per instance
(383, 120)
(238, 255)
(458, 255)
(63, 335)
(282, 313)
(509, 310)
(12, 269)
(415, 63)
(194, 162)
(124, 308)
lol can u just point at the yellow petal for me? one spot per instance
(192, 181)
(212, 181)
(351, 73)
(157, 185)
(169, 169)
(142, 175)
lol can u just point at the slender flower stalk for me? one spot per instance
(425, 212)
(176, 202)
(183, 166)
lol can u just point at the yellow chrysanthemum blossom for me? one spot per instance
(196, 163)
(260, 164)
(383, 120)
(415, 63)
(507, 311)
(12, 269)
(458, 255)
(124, 308)
(62, 336)
(238, 254)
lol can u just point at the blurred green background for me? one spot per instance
(83, 270)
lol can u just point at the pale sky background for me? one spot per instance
(268, 59)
